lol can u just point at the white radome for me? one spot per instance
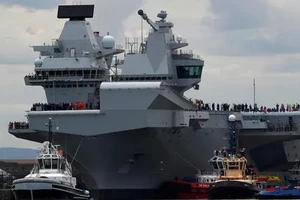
(231, 118)
(108, 42)
(38, 62)
(179, 38)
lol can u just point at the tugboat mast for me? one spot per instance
(232, 135)
(50, 133)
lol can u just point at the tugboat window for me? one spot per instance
(241, 165)
(63, 165)
(215, 165)
(47, 163)
(189, 72)
(54, 163)
(220, 165)
(233, 165)
(40, 163)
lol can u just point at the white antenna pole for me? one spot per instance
(254, 92)
(142, 31)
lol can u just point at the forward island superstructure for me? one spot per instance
(129, 131)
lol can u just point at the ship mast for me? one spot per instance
(142, 31)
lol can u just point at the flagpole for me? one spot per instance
(254, 101)
(77, 90)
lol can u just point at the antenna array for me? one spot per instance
(132, 46)
(76, 2)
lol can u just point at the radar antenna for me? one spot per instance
(162, 15)
(149, 21)
(132, 46)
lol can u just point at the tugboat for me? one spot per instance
(292, 191)
(235, 180)
(193, 188)
(50, 178)
(267, 183)
(187, 188)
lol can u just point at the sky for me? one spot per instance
(239, 40)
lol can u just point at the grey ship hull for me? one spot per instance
(140, 159)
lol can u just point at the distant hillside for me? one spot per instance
(17, 153)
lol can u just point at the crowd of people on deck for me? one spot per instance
(199, 103)
(35, 76)
(246, 107)
(201, 106)
(64, 106)
(18, 125)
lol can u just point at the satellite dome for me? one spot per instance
(108, 42)
(179, 38)
(38, 62)
(231, 118)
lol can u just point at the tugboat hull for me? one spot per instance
(231, 190)
(277, 197)
(178, 189)
(279, 194)
(43, 188)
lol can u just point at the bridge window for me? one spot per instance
(189, 72)
(51, 73)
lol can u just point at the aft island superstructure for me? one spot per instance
(129, 131)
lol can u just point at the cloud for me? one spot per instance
(237, 14)
(34, 4)
(241, 27)
(109, 16)
(288, 64)
(17, 34)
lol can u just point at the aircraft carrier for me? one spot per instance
(128, 130)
